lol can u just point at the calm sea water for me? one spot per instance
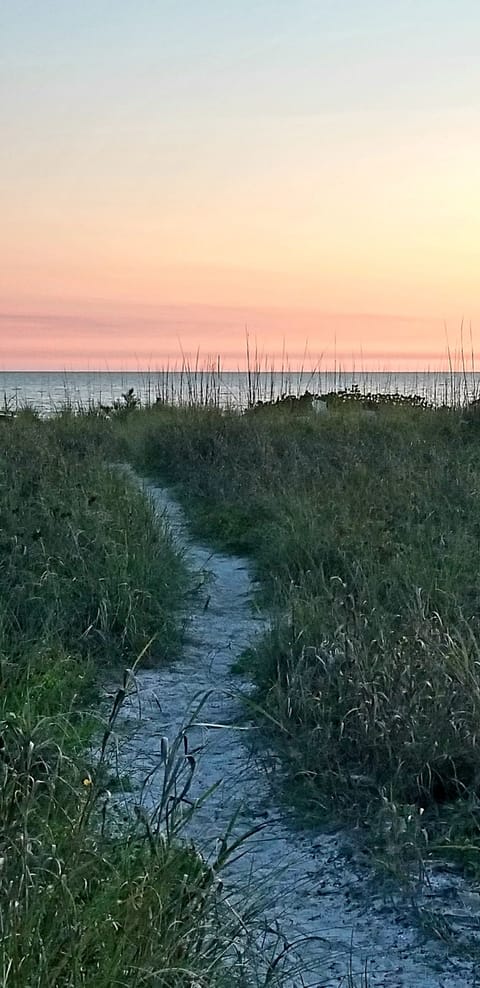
(49, 391)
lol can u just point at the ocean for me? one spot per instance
(50, 391)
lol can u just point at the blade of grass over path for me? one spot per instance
(364, 523)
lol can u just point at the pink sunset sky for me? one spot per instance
(175, 174)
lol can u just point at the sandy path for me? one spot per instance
(325, 902)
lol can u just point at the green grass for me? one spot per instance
(365, 531)
(88, 578)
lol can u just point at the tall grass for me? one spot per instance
(364, 525)
(88, 581)
(194, 380)
(365, 529)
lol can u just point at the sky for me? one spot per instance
(176, 174)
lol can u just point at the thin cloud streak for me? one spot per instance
(158, 333)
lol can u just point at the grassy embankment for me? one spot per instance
(365, 529)
(87, 578)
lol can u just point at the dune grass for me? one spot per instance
(365, 528)
(88, 580)
(364, 525)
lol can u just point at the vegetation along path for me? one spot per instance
(333, 915)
